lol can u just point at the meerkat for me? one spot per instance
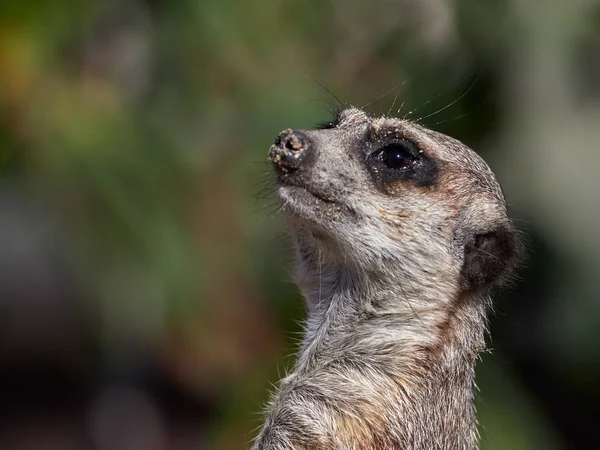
(400, 233)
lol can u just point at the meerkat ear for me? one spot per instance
(489, 257)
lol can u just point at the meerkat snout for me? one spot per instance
(290, 150)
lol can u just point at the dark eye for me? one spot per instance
(400, 161)
(397, 156)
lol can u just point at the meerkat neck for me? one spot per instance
(367, 380)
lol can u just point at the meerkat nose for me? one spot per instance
(290, 149)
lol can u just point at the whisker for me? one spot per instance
(454, 102)
(333, 110)
(438, 95)
(483, 102)
(401, 106)
(265, 193)
(450, 120)
(379, 97)
(322, 85)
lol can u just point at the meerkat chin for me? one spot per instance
(400, 233)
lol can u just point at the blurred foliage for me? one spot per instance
(137, 131)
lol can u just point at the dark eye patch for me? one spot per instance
(398, 160)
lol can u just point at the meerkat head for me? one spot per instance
(392, 199)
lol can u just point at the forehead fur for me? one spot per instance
(351, 118)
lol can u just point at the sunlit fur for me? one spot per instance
(394, 325)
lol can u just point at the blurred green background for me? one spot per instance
(145, 300)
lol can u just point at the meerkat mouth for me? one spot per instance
(290, 192)
(317, 208)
